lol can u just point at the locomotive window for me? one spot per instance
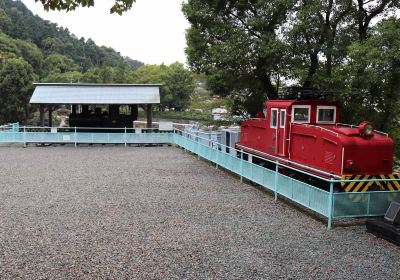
(274, 118)
(326, 114)
(283, 118)
(301, 114)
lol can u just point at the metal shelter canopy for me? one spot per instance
(75, 93)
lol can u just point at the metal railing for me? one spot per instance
(9, 127)
(355, 126)
(84, 135)
(319, 199)
(328, 203)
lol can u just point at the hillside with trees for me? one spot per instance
(36, 50)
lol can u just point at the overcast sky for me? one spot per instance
(152, 32)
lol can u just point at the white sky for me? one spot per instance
(153, 31)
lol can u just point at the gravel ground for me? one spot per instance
(159, 213)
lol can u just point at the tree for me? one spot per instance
(105, 75)
(236, 44)
(367, 11)
(67, 77)
(177, 83)
(152, 74)
(181, 85)
(31, 53)
(59, 63)
(7, 45)
(53, 45)
(53, 39)
(379, 57)
(16, 77)
(5, 21)
(119, 6)
(317, 40)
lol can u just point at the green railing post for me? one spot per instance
(276, 179)
(125, 137)
(75, 136)
(241, 166)
(368, 203)
(330, 205)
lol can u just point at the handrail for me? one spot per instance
(289, 161)
(270, 158)
(355, 126)
(319, 127)
(272, 161)
(256, 119)
(80, 128)
(295, 163)
(345, 124)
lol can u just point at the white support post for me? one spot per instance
(250, 160)
(24, 137)
(198, 147)
(125, 137)
(241, 166)
(276, 179)
(216, 164)
(330, 205)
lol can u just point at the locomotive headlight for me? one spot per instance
(349, 164)
(365, 129)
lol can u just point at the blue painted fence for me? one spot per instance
(16, 134)
(330, 204)
(326, 203)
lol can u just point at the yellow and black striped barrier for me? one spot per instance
(371, 184)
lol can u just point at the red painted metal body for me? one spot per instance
(325, 146)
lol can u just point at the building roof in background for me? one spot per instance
(60, 93)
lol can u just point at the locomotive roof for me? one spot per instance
(288, 103)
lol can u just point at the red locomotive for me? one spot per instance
(304, 131)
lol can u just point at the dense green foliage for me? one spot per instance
(178, 83)
(119, 6)
(35, 50)
(21, 24)
(250, 49)
(15, 84)
(378, 94)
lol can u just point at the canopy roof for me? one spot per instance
(55, 93)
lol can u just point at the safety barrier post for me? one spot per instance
(241, 166)
(368, 203)
(125, 137)
(276, 179)
(330, 205)
(24, 137)
(216, 164)
(185, 143)
(250, 159)
(75, 136)
(198, 147)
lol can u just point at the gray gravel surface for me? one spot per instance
(160, 213)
